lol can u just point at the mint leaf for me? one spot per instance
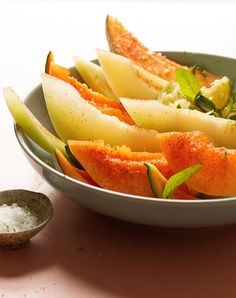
(232, 116)
(178, 179)
(188, 82)
(231, 106)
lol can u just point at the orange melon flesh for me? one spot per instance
(217, 177)
(72, 171)
(50, 58)
(124, 43)
(118, 168)
(104, 104)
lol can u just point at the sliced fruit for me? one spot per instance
(104, 104)
(127, 79)
(94, 77)
(218, 92)
(151, 114)
(122, 42)
(118, 168)
(158, 182)
(217, 176)
(71, 171)
(74, 118)
(156, 179)
(30, 125)
(50, 58)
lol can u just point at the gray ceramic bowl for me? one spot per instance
(38, 204)
(150, 211)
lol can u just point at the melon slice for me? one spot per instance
(124, 43)
(71, 171)
(30, 125)
(217, 176)
(127, 79)
(118, 168)
(151, 114)
(94, 77)
(105, 104)
(75, 119)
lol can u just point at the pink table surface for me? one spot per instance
(84, 254)
(81, 253)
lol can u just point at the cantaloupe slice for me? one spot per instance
(94, 77)
(105, 104)
(218, 174)
(117, 168)
(30, 125)
(72, 171)
(120, 169)
(151, 114)
(127, 79)
(122, 42)
(74, 118)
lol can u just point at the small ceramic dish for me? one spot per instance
(37, 204)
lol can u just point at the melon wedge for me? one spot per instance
(124, 43)
(71, 171)
(30, 125)
(105, 104)
(127, 79)
(94, 77)
(74, 118)
(151, 114)
(117, 168)
(120, 169)
(218, 174)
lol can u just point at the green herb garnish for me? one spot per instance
(164, 188)
(230, 109)
(178, 179)
(191, 88)
(188, 82)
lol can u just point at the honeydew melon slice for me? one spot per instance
(94, 77)
(74, 118)
(151, 114)
(30, 125)
(127, 79)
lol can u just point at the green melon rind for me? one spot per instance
(30, 125)
(157, 189)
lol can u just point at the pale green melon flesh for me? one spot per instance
(94, 77)
(30, 125)
(123, 78)
(74, 118)
(151, 114)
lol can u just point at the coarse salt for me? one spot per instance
(14, 218)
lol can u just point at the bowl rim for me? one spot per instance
(38, 226)
(21, 138)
